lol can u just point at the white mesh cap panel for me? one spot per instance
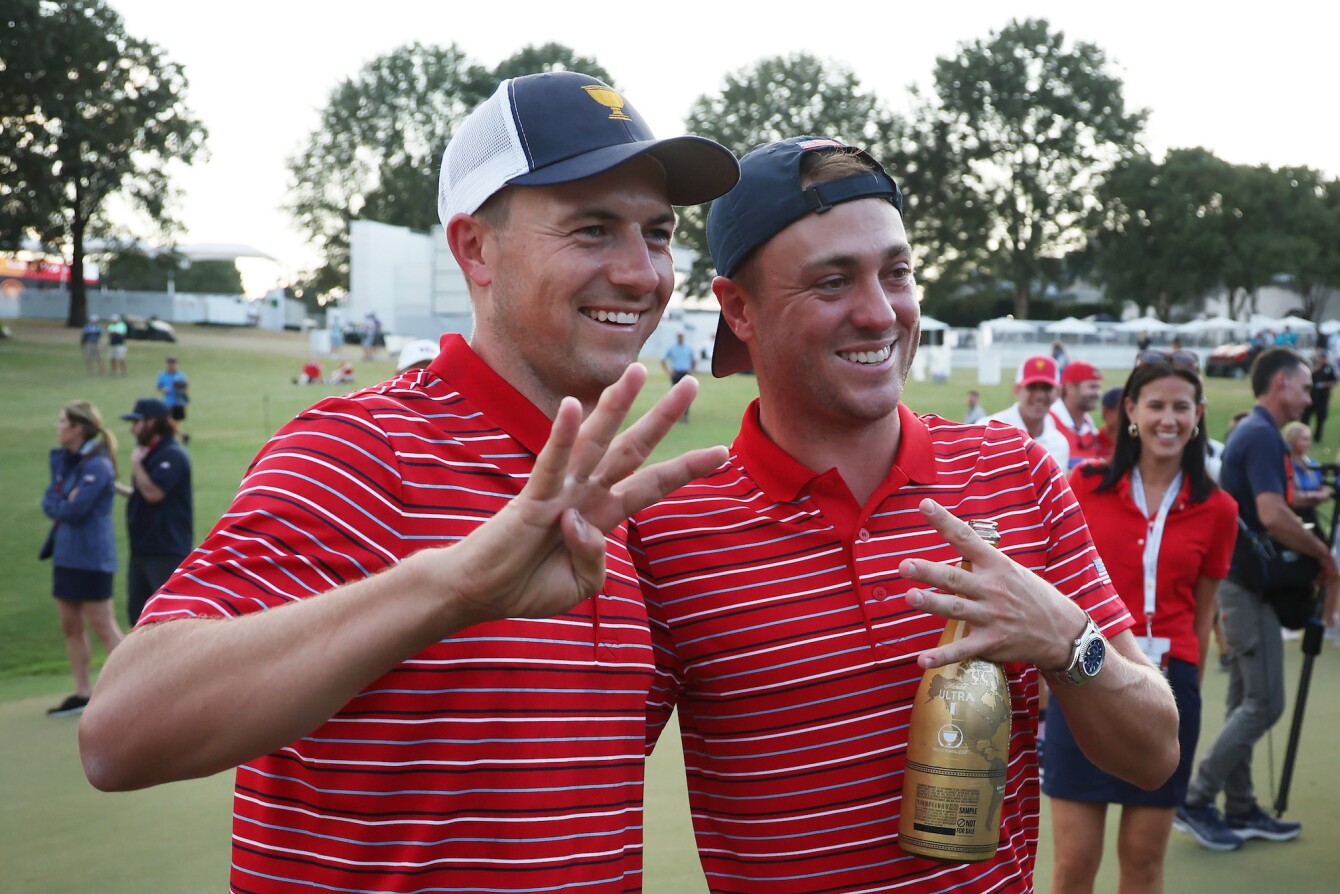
(483, 154)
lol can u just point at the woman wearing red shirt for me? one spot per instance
(1165, 531)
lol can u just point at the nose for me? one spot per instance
(633, 267)
(873, 306)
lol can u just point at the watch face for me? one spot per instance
(1093, 656)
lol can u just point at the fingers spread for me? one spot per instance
(958, 534)
(632, 448)
(647, 486)
(599, 430)
(551, 466)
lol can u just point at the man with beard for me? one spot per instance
(1081, 390)
(159, 513)
(800, 589)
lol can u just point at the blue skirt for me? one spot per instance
(80, 585)
(1072, 776)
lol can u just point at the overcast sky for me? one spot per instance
(1253, 88)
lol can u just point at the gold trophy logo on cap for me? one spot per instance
(608, 98)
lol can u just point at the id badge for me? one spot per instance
(1155, 648)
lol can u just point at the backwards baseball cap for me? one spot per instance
(1033, 370)
(147, 408)
(769, 198)
(1078, 371)
(561, 126)
(1112, 397)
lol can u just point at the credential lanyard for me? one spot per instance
(1154, 537)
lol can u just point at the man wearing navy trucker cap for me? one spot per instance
(418, 630)
(802, 587)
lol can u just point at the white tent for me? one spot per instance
(930, 324)
(1006, 325)
(1212, 324)
(1297, 324)
(1144, 324)
(1071, 326)
(1330, 327)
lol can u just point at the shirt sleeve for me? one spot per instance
(316, 510)
(166, 469)
(94, 478)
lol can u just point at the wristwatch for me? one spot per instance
(1087, 661)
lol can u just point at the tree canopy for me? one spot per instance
(775, 98)
(376, 153)
(1003, 157)
(90, 112)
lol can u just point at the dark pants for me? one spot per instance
(143, 578)
(1321, 408)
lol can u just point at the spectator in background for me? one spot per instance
(1111, 410)
(1081, 391)
(91, 341)
(679, 362)
(82, 541)
(342, 374)
(1034, 394)
(975, 412)
(373, 339)
(1287, 339)
(1308, 489)
(117, 331)
(415, 355)
(1256, 474)
(1324, 377)
(174, 389)
(311, 373)
(1153, 492)
(1060, 356)
(160, 515)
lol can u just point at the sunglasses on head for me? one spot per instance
(1176, 358)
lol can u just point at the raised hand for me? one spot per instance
(545, 552)
(1012, 614)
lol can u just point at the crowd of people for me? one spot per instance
(447, 616)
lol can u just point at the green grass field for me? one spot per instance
(59, 835)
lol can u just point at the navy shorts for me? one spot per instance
(1070, 775)
(81, 585)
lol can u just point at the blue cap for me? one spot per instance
(147, 408)
(769, 198)
(561, 126)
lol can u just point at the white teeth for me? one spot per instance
(867, 357)
(623, 318)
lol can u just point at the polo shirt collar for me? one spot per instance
(1123, 487)
(783, 478)
(461, 368)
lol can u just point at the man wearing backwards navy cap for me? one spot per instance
(160, 511)
(418, 628)
(782, 583)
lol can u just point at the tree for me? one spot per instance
(89, 113)
(376, 153)
(1161, 239)
(779, 97)
(549, 57)
(1007, 150)
(137, 272)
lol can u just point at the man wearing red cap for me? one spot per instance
(1081, 390)
(1034, 393)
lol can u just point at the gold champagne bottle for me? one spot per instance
(958, 749)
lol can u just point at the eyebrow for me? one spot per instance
(893, 252)
(606, 216)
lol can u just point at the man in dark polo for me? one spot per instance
(159, 512)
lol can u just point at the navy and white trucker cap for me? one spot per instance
(769, 198)
(561, 126)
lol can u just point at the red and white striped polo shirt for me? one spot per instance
(508, 757)
(776, 601)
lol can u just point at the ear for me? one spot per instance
(1129, 406)
(735, 307)
(468, 238)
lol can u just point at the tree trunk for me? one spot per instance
(78, 315)
(1021, 299)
